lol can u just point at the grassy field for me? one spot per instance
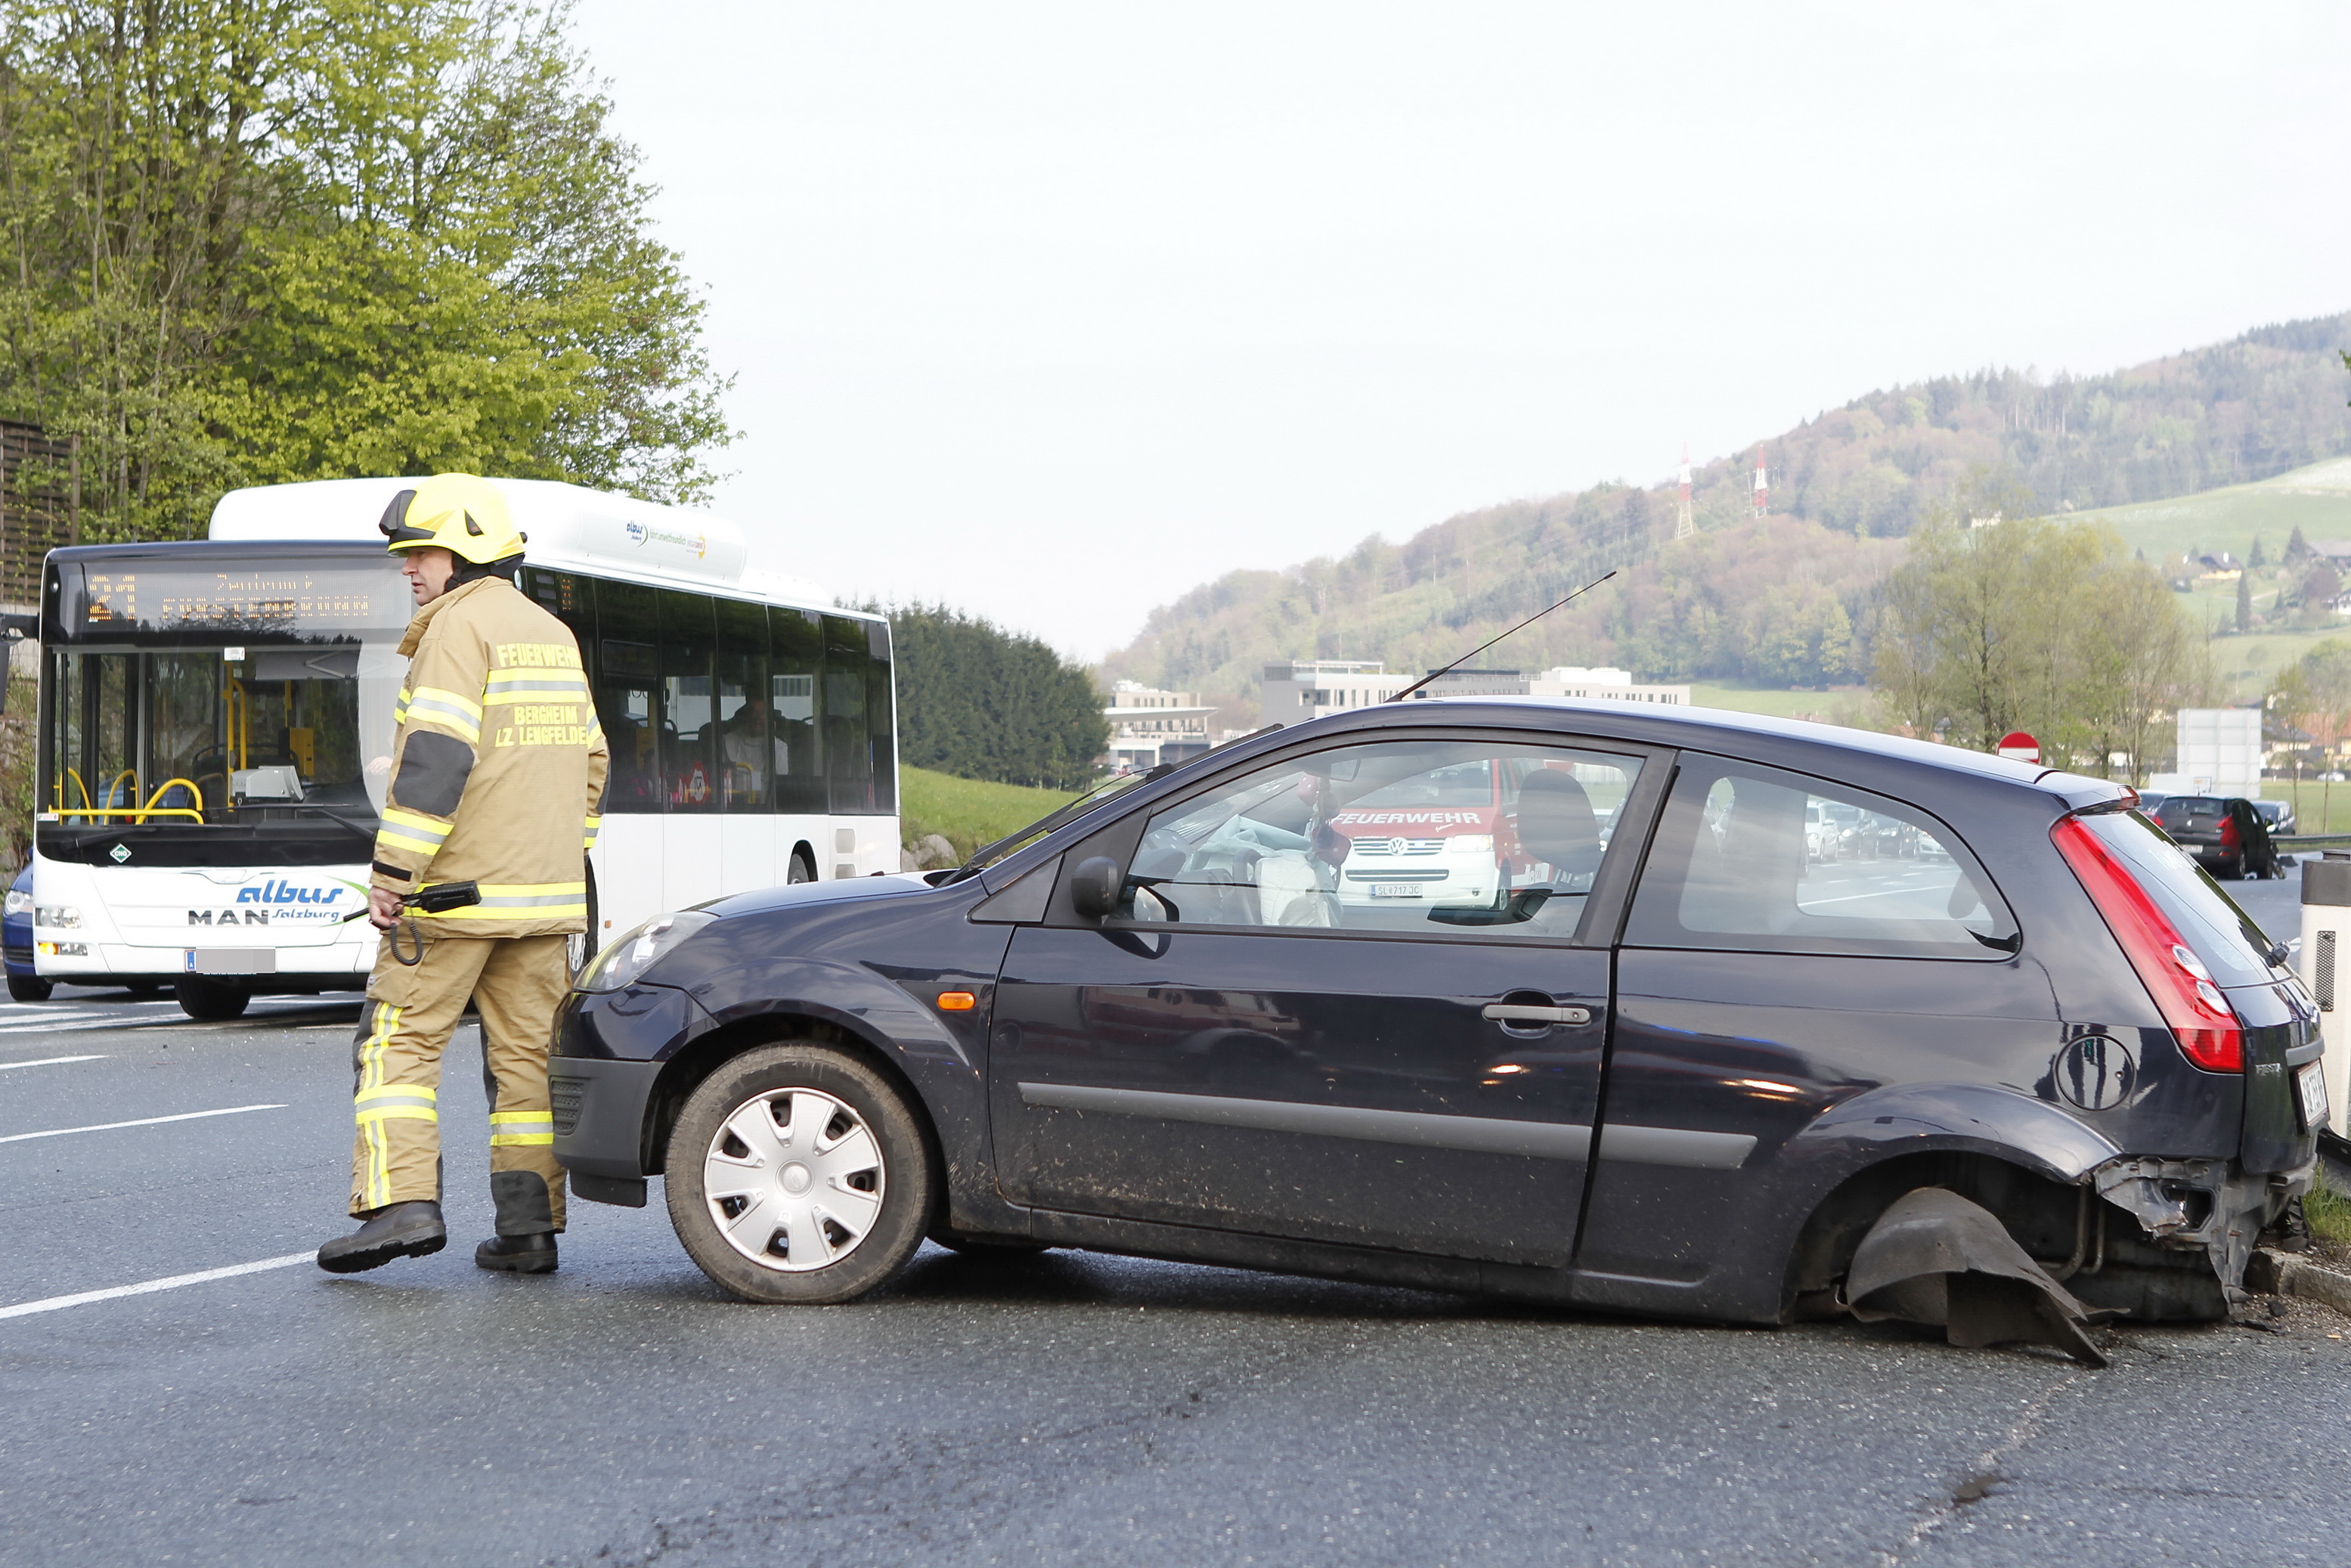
(2319, 808)
(2316, 499)
(1838, 704)
(966, 812)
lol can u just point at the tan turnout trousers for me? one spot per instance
(516, 982)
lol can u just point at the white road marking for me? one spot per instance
(55, 1304)
(9, 1030)
(143, 1122)
(49, 1061)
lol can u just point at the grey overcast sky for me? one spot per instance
(1052, 311)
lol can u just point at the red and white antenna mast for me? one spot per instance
(1762, 489)
(1684, 527)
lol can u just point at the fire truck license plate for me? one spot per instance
(2310, 1080)
(1395, 890)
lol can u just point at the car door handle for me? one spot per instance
(1513, 1012)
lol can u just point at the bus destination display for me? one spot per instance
(280, 599)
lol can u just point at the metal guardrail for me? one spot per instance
(2298, 842)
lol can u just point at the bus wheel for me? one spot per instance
(803, 869)
(210, 1001)
(29, 988)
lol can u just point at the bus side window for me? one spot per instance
(689, 707)
(748, 752)
(571, 600)
(628, 677)
(848, 755)
(879, 728)
(796, 681)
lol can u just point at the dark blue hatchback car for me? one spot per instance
(1573, 1002)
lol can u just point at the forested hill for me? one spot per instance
(1787, 599)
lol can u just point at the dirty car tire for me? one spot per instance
(798, 1173)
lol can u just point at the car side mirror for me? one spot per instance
(1094, 888)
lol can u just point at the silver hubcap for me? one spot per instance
(794, 1180)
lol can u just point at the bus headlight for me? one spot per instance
(64, 916)
(625, 961)
(1471, 843)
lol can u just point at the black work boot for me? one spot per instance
(517, 1254)
(524, 1243)
(411, 1230)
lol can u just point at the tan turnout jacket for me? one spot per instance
(497, 766)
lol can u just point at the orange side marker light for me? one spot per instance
(957, 1001)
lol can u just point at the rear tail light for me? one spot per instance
(2229, 833)
(2200, 1016)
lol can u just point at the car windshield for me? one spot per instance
(1468, 784)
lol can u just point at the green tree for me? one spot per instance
(259, 240)
(2316, 693)
(2244, 600)
(2040, 626)
(979, 702)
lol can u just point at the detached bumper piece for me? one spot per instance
(1936, 1259)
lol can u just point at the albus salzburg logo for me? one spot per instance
(282, 902)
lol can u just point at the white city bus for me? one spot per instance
(216, 718)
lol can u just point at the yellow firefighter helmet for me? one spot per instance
(461, 513)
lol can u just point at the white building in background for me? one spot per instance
(1149, 727)
(1309, 688)
(1604, 684)
(2219, 754)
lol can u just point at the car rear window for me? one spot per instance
(2227, 939)
(2191, 811)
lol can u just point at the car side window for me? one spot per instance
(1754, 859)
(1471, 837)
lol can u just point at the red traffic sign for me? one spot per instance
(2019, 746)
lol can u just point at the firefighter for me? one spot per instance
(497, 769)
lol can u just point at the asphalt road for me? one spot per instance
(1058, 1409)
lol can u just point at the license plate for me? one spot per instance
(1395, 890)
(2310, 1079)
(232, 960)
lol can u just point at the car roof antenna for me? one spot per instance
(1490, 642)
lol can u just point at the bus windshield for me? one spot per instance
(212, 686)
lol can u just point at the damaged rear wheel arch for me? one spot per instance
(2043, 1216)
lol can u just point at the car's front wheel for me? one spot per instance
(29, 988)
(796, 1173)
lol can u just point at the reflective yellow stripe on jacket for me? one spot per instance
(459, 715)
(410, 831)
(595, 826)
(534, 685)
(505, 901)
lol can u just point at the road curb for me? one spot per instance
(2285, 1274)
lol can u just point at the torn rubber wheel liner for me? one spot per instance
(1934, 1257)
